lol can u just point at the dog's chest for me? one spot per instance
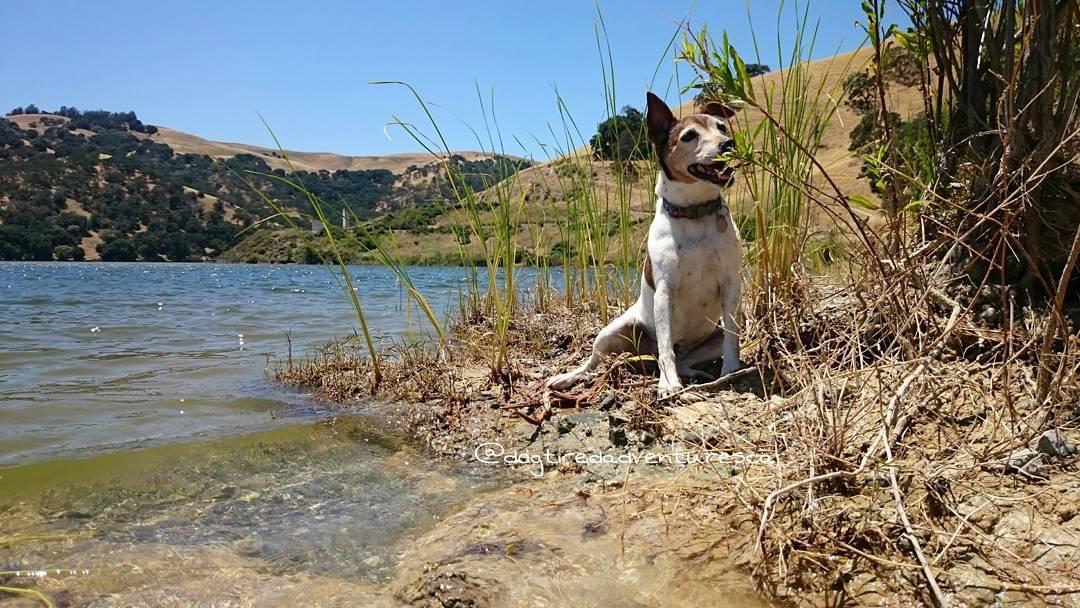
(701, 258)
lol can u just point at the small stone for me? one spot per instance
(617, 437)
(373, 562)
(1026, 462)
(879, 479)
(1021, 458)
(609, 401)
(617, 420)
(565, 425)
(249, 547)
(583, 422)
(1054, 443)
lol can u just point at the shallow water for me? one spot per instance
(332, 500)
(137, 425)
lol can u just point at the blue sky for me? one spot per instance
(211, 68)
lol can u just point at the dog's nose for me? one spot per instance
(727, 146)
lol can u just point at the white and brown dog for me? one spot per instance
(690, 287)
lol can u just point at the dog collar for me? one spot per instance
(695, 211)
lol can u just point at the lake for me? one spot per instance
(97, 357)
(136, 424)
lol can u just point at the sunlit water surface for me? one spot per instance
(95, 357)
(139, 435)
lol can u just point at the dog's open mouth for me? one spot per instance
(719, 173)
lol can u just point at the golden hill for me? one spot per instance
(542, 189)
(186, 143)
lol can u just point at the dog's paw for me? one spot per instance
(669, 389)
(562, 382)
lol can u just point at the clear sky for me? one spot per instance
(211, 67)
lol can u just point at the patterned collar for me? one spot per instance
(695, 211)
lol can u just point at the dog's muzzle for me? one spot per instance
(719, 172)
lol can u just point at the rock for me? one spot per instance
(1054, 443)
(565, 425)
(609, 401)
(584, 422)
(1024, 461)
(523, 429)
(617, 420)
(617, 437)
(989, 315)
(249, 547)
(1021, 457)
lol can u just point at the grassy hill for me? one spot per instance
(102, 185)
(542, 196)
(186, 143)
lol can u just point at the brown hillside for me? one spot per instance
(186, 143)
(540, 189)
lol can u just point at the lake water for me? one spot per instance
(136, 426)
(98, 357)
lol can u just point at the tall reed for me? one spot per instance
(782, 121)
(585, 212)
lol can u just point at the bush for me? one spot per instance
(117, 250)
(621, 137)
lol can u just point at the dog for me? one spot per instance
(691, 278)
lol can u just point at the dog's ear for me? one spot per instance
(658, 120)
(716, 108)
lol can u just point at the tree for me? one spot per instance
(621, 137)
(119, 249)
(64, 253)
(757, 69)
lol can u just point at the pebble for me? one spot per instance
(1024, 461)
(617, 436)
(1054, 443)
(609, 401)
(249, 547)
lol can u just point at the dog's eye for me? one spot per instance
(722, 127)
(690, 135)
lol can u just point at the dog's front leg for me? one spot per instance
(663, 307)
(732, 296)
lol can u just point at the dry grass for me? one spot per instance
(891, 411)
